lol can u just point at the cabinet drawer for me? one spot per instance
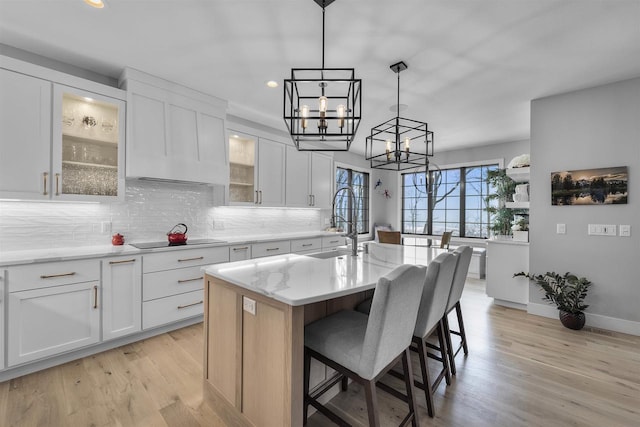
(239, 252)
(270, 248)
(171, 309)
(37, 276)
(332, 241)
(162, 284)
(184, 258)
(304, 245)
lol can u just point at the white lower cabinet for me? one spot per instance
(504, 259)
(329, 243)
(48, 321)
(2, 310)
(239, 252)
(306, 245)
(121, 296)
(173, 284)
(278, 247)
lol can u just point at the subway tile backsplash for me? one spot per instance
(150, 209)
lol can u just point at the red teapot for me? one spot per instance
(117, 239)
(178, 235)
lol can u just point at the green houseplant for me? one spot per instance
(567, 292)
(502, 187)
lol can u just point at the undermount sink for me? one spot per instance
(330, 254)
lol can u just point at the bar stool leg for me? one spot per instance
(426, 380)
(307, 373)
(463, 334)
(443, 352)
(372, 403)
(408, 378)
(447, 335)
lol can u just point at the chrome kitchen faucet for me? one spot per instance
(354, 218)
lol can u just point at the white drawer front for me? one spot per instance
(239, 252)
(306, 245)
(270, 248)
(171, 309)
(162, 284)
(180, 258)
(332, 241)
(38, 276)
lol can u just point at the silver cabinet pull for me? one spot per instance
(52, 276)
(45, 175)
(244, 248)
(95, 297)
(190, 259)
(122, 262)
(191, 280)
(260, 194)
(272, 249)
(180, 307)
(310, 203)
(57, 184)
(313, 200)
(256, 199)
(334, 241)
(306, 245)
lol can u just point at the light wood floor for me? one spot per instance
(522, 370)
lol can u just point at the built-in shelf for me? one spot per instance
(243, 184)
(519, 174)
(95, 140)
(517, 205)
(91, 165)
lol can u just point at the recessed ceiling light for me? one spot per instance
(235, 136)
(272, 83)
(98, 4)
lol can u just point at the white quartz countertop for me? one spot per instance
(30, 256)
(302, 279)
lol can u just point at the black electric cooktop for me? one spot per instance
(165, 244)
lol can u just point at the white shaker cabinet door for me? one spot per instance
(271, 158)
(2, 311)
(45, 322)
(322, 178)
(25, 136)
(121, 296)
(297, 178)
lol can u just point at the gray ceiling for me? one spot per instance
(473, 65)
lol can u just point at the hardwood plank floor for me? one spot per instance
(522, 370)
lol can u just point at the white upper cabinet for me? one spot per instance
(308, 179)
(256, 170)
(61, 137)
(322, 178)
(25, 136)
(175, 133)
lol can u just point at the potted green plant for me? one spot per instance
(567, 292)
(502, 187)
(520, 229)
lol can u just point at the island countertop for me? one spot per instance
(303, 279)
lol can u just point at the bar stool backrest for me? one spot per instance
(436, 293)
(392, 317)
(463, 255)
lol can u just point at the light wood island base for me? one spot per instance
(253, 363)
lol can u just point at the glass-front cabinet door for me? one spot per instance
(242, 168)
(88, 150)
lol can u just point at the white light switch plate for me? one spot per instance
(561, 228)
(625, 231)
(249, 305)
(602, 230)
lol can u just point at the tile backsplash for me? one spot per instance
(150, 209)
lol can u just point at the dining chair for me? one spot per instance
(445, 239)
(432, 307)
(463, 255)
(393, 237)
(363, 347)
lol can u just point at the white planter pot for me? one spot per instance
(521, 236)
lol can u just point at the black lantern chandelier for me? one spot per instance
(399, 144)
(322, 105)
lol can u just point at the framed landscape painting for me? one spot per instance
(604, 186)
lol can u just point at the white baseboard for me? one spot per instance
(594, 320)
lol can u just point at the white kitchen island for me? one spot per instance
(255, 312)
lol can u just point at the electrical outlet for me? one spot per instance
(105, 227)
(249, 305)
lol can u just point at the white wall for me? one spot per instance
(505, 151)
(591, 128)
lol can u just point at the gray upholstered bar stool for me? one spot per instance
(363, 347)
(463, 255)
(432, 308)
